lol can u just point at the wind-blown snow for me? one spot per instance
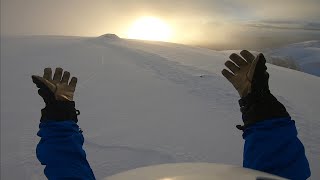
(141, 103)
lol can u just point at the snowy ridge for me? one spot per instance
(141, 103)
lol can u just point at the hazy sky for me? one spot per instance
(192, 21)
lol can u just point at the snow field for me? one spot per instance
(141, 103)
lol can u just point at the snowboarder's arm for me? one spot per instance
(273, 146)
(60, 148)
(271, 142)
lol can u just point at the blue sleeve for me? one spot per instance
(272, 146)
(60, 150)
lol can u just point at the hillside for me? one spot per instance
(141, 103)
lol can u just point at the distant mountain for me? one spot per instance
(304, 56)
(109, 36)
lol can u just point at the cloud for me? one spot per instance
(290, 25)
(285, 9)
(192, 20)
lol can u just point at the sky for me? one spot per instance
(201, 22)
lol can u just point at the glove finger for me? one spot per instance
(238, 60)
(261, 66)
(258, 67)
(73, 82)
(262, 62)
(65, 77)
(43, 83)
(232, 67)
(228, 75)
(37, 81)
(47, 74)
(57, 75)
(248, 56)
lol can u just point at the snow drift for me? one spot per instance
(141, 103)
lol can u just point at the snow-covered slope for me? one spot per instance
(141, 103)
(306, 55)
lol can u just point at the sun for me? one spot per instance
(150, 28)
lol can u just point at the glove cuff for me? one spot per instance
(60, 111)
(259, 106)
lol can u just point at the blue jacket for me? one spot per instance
(60, 149)
(271, 146)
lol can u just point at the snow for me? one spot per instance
(305, 54)
(142, 103)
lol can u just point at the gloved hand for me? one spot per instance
(62, 91)
(250, 79)
(57, 93)
(250, 74)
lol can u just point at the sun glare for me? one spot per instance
(150, 28)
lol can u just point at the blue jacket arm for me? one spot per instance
(60, 150)
(272, 146)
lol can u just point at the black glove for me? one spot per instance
(57, 95)
(250, 79)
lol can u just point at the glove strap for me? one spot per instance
(259, 106)
(60, 111)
